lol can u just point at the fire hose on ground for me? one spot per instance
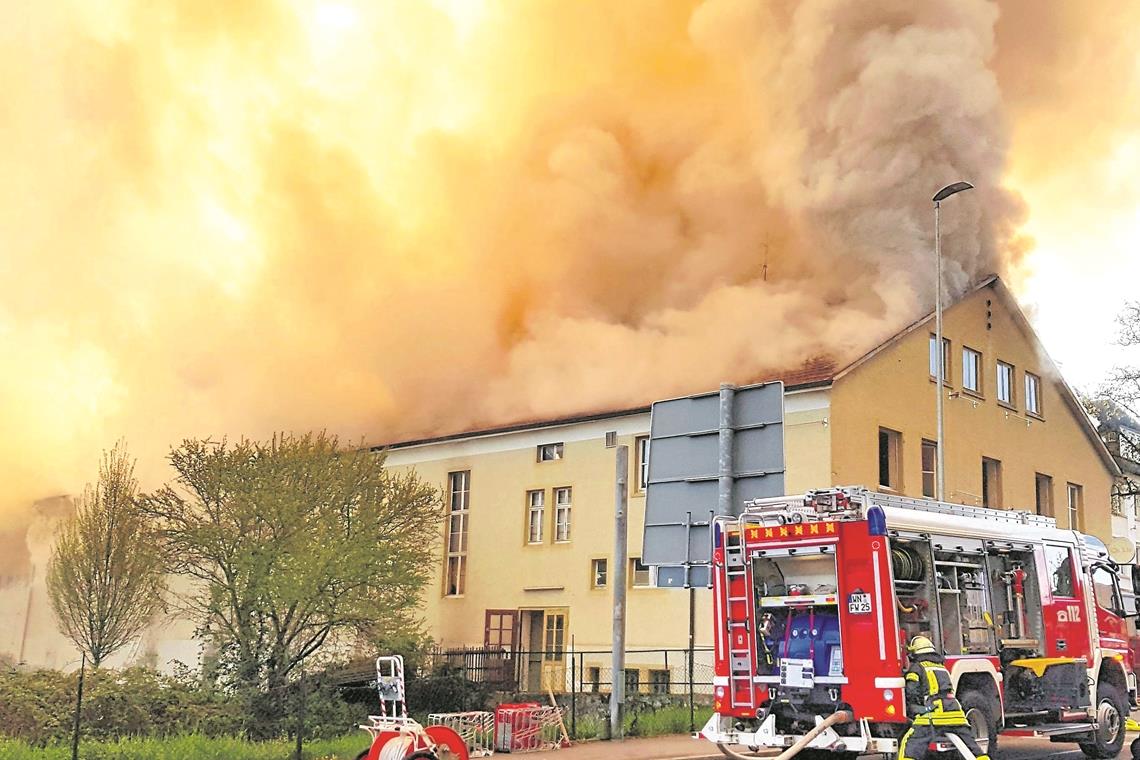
(842, 716)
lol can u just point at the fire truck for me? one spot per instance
(816, 596)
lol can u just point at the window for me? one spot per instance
(659, 682)
(640, 574)
(1043, 488)
(549, 452)
(991, 483)
(1005, 383)
(1032, 394)
(562, 514)
(1106, 590)
(599, 573)
(929, 468)
(1060, 570)
(458, 499)
(536, 506)
(594, 679)
(632, 680)
(611, 439)
(890, 470)
(945, 359)
(642, 462)
(1076, 501)
(971, 370)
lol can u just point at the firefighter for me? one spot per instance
(930, 700)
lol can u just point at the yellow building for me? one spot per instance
(527, 543)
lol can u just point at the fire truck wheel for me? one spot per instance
(982, 713)
(1135, 747)
(1110, 713)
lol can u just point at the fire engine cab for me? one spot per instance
(816, 596)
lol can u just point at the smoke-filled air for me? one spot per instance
(391, 219)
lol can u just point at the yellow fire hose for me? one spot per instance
(842, 716)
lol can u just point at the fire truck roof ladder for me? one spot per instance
(738, 598)
(1020, 517)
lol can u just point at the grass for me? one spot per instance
(667, 720)
(189, 747)
(662, 722)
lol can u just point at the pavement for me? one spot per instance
(685, 748)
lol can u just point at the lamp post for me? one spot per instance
(939, 352)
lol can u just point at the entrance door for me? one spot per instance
(554, 650)
(544, 632)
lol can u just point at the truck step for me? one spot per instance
(1049, 729)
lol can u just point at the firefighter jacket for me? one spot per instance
(930, 694)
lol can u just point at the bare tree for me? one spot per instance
(105, 577)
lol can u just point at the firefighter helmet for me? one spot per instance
(920, 645)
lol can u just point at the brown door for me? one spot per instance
(500, 630)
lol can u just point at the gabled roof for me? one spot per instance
(1020, 321)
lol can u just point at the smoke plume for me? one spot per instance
(393, 219)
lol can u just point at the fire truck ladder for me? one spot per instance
(738, 598)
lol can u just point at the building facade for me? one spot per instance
(527, 543)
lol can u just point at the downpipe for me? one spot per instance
(842, 716)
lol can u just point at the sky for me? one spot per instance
(234, 217)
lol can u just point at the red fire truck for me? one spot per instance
(816, 596)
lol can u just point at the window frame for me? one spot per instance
(992, 479)
(455, 556)
(947, 360)
(532, 510)
(932, 446)
(1036, 396)
(1010, 402)
(1049, 502)
(894, 459)
(641, 476)
(979, 379)
(633, 571)
(1074, 510)
(563, 510)
(557, 452)
(605, 573)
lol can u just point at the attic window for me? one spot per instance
(549, 452)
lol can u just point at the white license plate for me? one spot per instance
(859, 604)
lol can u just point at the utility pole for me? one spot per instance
(617, 687)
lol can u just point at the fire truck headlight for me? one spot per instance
(720, 692)
(888, 695)
(876, 520)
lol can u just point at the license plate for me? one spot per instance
(859, 604)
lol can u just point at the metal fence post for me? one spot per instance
(78, 707)
(301, 714)
(573, 696)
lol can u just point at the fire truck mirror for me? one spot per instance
(1135, 589)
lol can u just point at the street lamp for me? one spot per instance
(939, 352)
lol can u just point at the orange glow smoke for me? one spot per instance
(388, 219)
